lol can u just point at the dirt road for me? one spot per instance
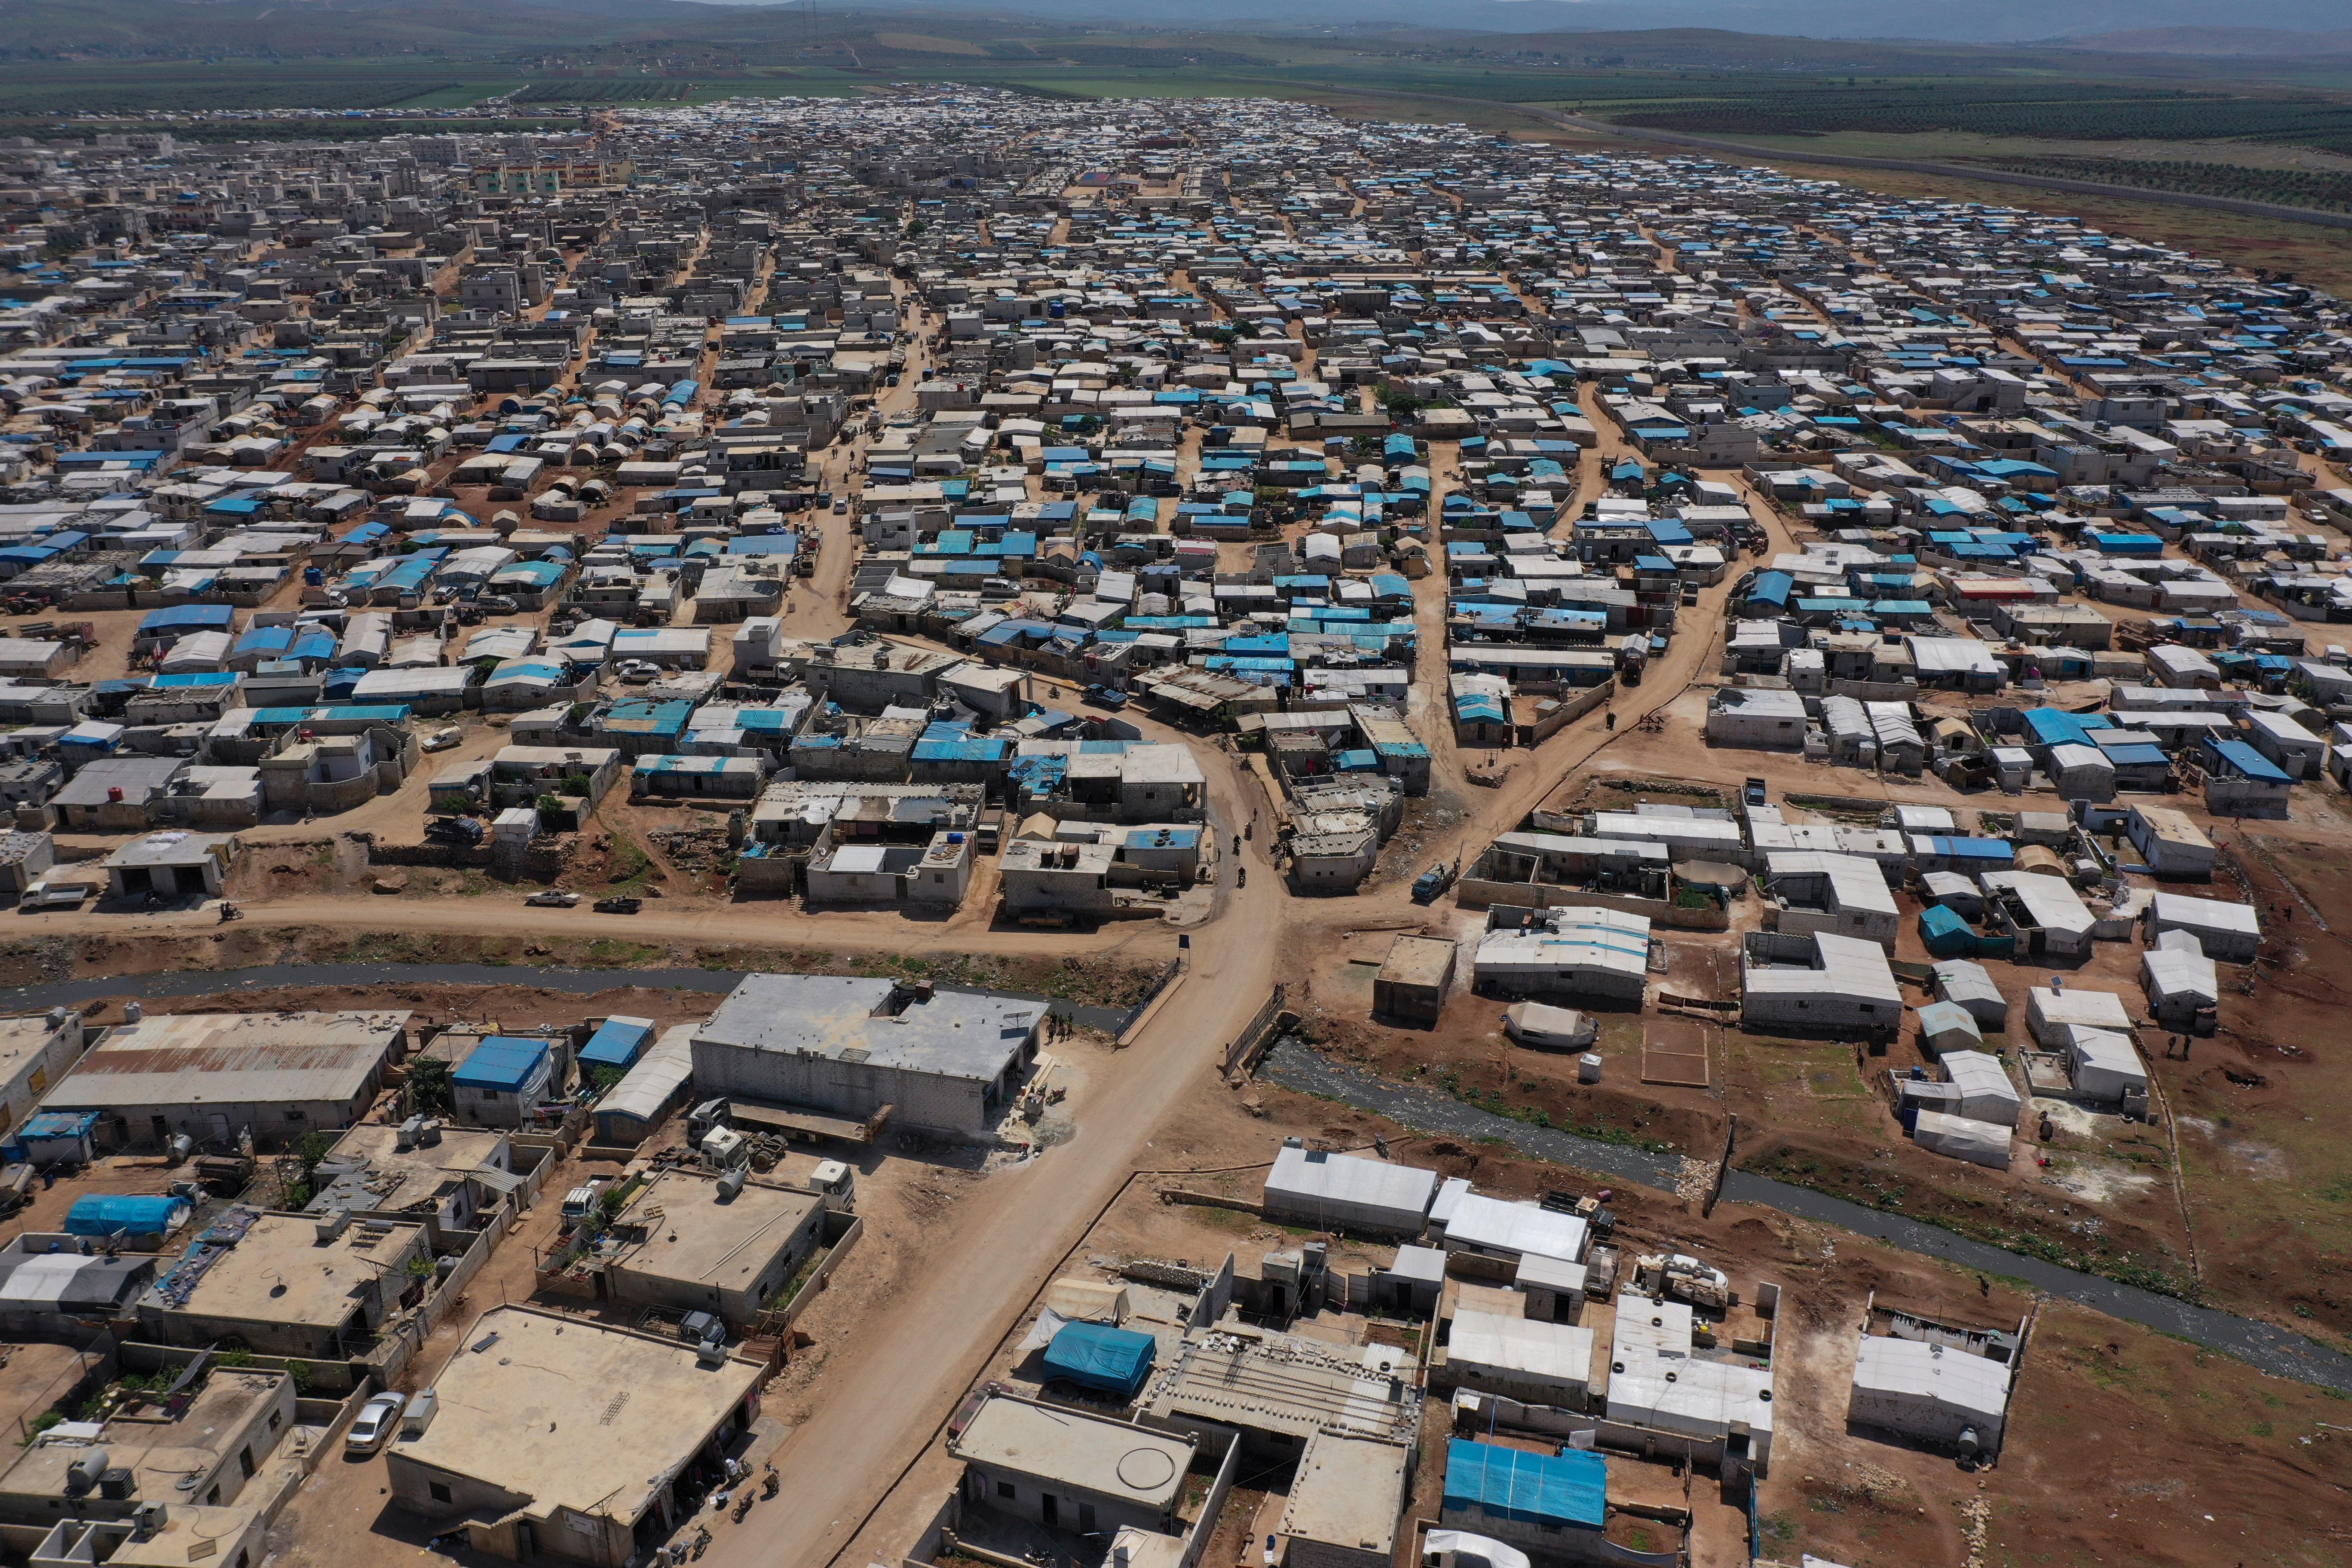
(887, 1392)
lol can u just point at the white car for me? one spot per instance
(377, 1420)
(442, 740)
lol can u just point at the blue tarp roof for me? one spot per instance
(504, 1062)
(1096, 1355)
(617, 1043)
(123, 1214)
(2247, 760)
(173, 617)
(1542, 1490)
(58, 1124)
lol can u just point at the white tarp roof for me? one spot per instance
(1498, 1226)
(1306, 1176)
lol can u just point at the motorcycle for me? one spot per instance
(743, 1506)
(772, 1483)
(229, 911)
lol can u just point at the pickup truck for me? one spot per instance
(1107, 696)
(1753, 792)
(1431, 884)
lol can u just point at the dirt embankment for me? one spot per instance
(1095, 980)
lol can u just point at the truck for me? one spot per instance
(582, 1200)
(54, 896)
(1431, 884)
(1753, 792)
(836, 1183)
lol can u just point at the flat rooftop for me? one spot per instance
(1093, 1453)
(689, 1235)
(1348, 1491)
(956, 1033)
(396, 1178)
(23, 1038)
(280, 1272)
(158, 1453)
(569, 1413)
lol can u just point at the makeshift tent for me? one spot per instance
(122, 1214)
(1097, 1356)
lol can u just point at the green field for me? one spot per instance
(2329, 192)
(134, 88)
(2062, 110)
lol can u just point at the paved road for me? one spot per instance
(2276, 1351)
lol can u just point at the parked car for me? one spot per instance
(638, 672)
(375, 1424)
(1431, 883)
(442, 740)
(1107, 696)
(619, 905)
(1753, 792)
(553, 899)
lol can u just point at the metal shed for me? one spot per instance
(1970, 985)
(656, 1084)
(1963, 1138)
(1929, 1391)
(1346, 1192)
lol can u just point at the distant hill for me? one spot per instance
(1849, 35)
(2216, 43)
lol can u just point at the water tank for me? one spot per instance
(134, 1011)
(731, 1183)
(406, 1139)
(1970, 1445)
(1588, 1067)
(83, 1474)
(180, 1148)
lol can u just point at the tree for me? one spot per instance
(428, 1087)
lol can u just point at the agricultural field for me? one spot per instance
(99, 87)
(2065, 111)
(2329, 192)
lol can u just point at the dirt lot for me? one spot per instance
(2240, 1446)
(1810, 1110)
